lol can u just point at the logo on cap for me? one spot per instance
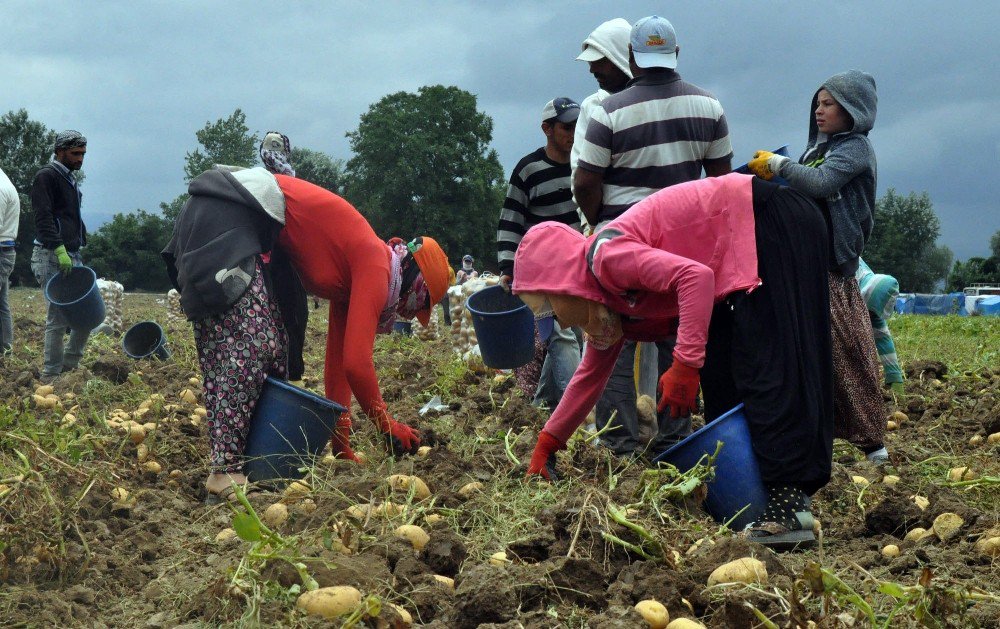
(655, 40)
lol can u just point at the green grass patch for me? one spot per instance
(962, 343)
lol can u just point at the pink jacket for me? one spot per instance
(677, 253)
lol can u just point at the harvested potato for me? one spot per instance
(275, 515)
(993, 438)
(947, 525)
(448, 582)
(306, 506)
(404, 616)
(989, 546)
(654, 613)
(142, 452)
(412, 533)
(68, 419)
(44, 402)
(136, 433)
(187, 395)
(890, 551)
(891, 425)
(402, 482)
(922, 502)
(433, 518)
(976, 440)
(469, 489)
(899, 417)
(956, 474)
(916, 534)
(499, 559)
(860, 481)
(423, 451)
(743, 570)
(152, 467)
(119, 494)
(194, 382)
(330, 602)
(296, 490)
(890, 480)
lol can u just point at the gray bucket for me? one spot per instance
(144, 340)
(76, 295)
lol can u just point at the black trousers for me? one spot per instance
(771, 349)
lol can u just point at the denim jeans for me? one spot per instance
(561, 360)
(620, 395)
(57, 358)
(7, 257)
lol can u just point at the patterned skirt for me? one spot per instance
(237, 350)
(859, 411)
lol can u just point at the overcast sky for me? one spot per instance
(139, 78)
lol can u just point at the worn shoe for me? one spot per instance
(780, 537)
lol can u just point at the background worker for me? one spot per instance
(59, 236)
(659, 131)
(276, 155)
(879, 292)
(539, 190)
(10, 213)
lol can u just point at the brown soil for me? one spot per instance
(72, 557)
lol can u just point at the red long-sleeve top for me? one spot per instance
(339, 257)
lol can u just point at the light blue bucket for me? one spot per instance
(77, 297)
(505, 327)
(737, 487)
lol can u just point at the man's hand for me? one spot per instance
(505, 282)
(543, 461)
(65, 262)
(679, 389)
(766, 164)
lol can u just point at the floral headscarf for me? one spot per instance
(275, 152)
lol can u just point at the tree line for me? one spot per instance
(422, 164)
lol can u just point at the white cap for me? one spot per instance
(590, 54)
(654, 43)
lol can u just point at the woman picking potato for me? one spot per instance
(214, 261)
(734, 266)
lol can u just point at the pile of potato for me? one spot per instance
(463, 334)
(113, 294)
(174, 310)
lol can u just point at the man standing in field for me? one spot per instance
(540, 191)
(10, 212)
(657, 132)
(59, 236)
(606, 52)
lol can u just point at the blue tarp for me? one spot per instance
(919, 303)
(989, 306)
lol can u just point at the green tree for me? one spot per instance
(904, 242)
(25, 146)
(127, 250)
(319, 168)
(423, 165)
(225, 141)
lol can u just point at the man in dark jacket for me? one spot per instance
(59, 236)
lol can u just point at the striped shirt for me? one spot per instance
(656, 133)
(539, 191)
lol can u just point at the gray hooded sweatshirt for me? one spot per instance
(845, 179)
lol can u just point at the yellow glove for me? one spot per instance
(766, 164)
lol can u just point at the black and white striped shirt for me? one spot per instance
(539, 191)
(656, 133)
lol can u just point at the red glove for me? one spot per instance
(340, 442)
(543, 460)
(399, 438)
(678, 389)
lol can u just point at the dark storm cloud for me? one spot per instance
(139, 79)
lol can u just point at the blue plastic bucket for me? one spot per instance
(403, 327)
(737, 481)
(783, 150)
(76, 295)
(289, 429)
(145, 339)
(504, 327)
